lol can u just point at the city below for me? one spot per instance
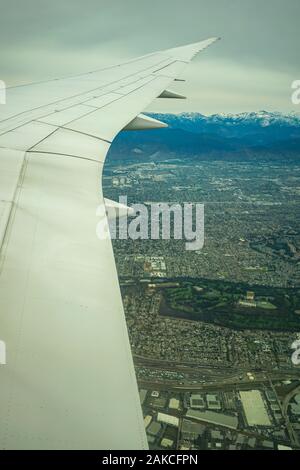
(212, 330)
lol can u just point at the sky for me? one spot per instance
(250, 69)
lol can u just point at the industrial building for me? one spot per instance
(191, 430)
(197, 401)
(219, 419)
(154, 429)
(167, 443)
(168, 419)
(213, 402)
(174, 404)
(147, 420)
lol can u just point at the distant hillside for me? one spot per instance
(236, 137)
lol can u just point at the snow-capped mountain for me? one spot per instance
(260, 127)
(261, 119)
(228, 136)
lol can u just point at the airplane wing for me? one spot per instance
(68, 381)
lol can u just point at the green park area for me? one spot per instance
(233, 305)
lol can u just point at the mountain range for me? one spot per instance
(244, 136)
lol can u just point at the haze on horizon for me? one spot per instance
(252, 68)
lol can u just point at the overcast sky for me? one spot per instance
(252, 68)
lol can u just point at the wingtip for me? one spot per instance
(208, 42)
(189, 51)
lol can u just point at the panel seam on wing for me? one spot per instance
(64, 155)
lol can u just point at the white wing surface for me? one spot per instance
(68, 381)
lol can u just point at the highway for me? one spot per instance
(199, 377)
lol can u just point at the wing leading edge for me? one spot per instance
(69, 380)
